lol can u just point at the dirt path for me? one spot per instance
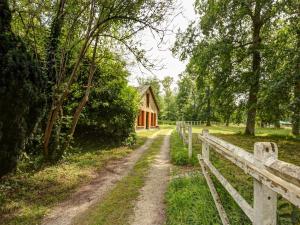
(149, 209)
(86, 196)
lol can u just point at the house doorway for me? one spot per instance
(147, 120)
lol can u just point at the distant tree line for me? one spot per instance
(243, 63)
(62, 68)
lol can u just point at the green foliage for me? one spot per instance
(22, 96)
(61, 35)
(113, 105)
(242, 75)
(130, 140)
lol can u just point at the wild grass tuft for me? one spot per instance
(179, 152)
(189, 201)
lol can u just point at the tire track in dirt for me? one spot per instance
(88, 195)
(150, 207)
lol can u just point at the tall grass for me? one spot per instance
(189, 201)
(179, 152)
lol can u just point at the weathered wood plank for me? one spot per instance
(284, 170)
(265, 199)
(215, 195)
(248, 210)
(246, 161)
(190, 142)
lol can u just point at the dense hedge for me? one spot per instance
(21, 93)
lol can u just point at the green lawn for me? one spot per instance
(289, 150)
(28, 194)
(240, 129)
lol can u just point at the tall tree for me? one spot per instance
(22, 97)
(169, 110)
(234, 28)
(293, 11)
(117, 20)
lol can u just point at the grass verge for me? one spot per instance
(189, 201)
(27, 195)
(179, 152)
(118, 205)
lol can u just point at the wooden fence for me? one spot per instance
(199, 123)
(193, 123)
(185, 132)
(271, 176)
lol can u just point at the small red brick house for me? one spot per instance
(148, 114)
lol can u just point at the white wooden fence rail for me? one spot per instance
(271, 176)
(193, 123)
(186, 136)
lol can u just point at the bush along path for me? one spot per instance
(92, 193)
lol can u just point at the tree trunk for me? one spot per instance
(60, 97)
(227, 120)
(85, 98)
(277, 124)
(208, 107)
(256, 65)
(296, 103)
(51, 70)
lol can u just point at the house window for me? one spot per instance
(148, 100)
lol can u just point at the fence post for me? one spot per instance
(181, 128)
(184, 130)
(205, 147)
(190, 141)
(265, 200)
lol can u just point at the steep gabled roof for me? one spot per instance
(143, 89)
